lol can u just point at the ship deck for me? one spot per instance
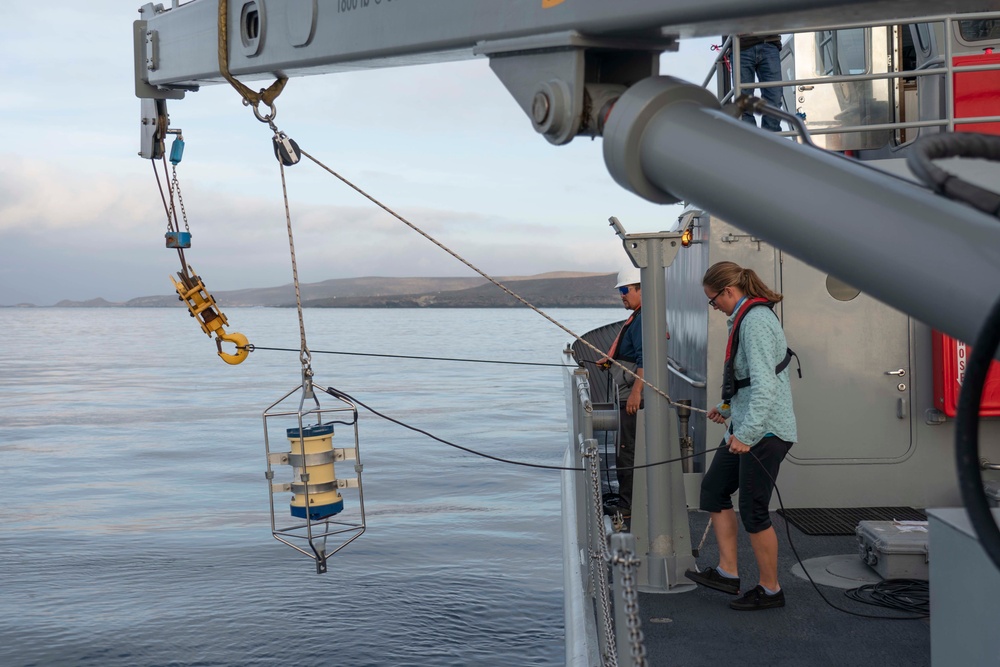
(698, 628)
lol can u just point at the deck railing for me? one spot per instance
(601, 600)
(943, 65)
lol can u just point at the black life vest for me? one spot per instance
(730, 385)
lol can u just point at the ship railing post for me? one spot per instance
(668, 545)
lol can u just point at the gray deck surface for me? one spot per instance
(698, 628)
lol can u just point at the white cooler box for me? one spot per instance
(895, 549)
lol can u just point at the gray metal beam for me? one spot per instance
(935, 259)
(299, 37)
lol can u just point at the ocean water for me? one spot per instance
(134, 523)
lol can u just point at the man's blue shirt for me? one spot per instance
(630, 346)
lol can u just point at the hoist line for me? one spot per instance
(304, 355)
(336, 393)
(253, 348)
(172, 212)
(163, 197)
(495, 282)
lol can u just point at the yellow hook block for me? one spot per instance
(201, 306)
(238, 339)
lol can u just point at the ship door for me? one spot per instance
(852, 402)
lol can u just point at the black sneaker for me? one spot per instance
(758, 599)
(712, 579)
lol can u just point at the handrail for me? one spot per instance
(722, 53)
(677, 370)
(941, 65)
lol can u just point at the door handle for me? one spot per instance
(899, 372)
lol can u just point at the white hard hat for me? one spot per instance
(629, 275)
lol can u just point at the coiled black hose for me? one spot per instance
(965, 145)
(970, 480)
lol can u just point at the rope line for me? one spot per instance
(495, 282)
(410, 356)
(304, 356)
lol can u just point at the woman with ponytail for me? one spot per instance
(757, 398)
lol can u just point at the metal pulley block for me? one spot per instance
(286, 150)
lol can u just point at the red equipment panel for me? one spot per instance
(977, 93)
(950, 359)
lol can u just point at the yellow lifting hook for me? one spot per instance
(202, 306)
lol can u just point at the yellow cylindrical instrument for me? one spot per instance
(314, 478)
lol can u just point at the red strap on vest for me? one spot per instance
(747, 305)
(618, 338)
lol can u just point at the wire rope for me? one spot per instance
(412, 356)
(485, 275)
(336, 393)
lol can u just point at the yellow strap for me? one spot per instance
(253, 99)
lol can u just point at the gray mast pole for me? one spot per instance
(936, 260)
(669, 533)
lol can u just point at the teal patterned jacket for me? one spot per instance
(765, 407)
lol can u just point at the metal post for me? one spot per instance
(669, 532)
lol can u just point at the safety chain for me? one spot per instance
(180, 200)
(492, 280)
(627, 563)
(173, 224)
(599, 560)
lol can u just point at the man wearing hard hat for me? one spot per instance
(627, 351)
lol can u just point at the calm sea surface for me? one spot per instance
(134, 524)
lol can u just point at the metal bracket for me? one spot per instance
(146, 55)
(566, 82)
(153, 128)
(635, 245)
(735, 238)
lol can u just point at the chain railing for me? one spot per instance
(601, 598)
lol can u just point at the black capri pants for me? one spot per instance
(753, 473)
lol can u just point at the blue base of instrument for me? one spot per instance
(319, 512)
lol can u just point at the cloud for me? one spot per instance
(40, 197)
(72, 235)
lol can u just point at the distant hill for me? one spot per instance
(549, 290)
(92, 303)
(579, 291)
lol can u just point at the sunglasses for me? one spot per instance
(624, 289)
(711, 301)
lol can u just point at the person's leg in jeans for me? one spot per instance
(748, 74)
(769, 69)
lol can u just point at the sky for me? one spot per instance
(444, 145)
